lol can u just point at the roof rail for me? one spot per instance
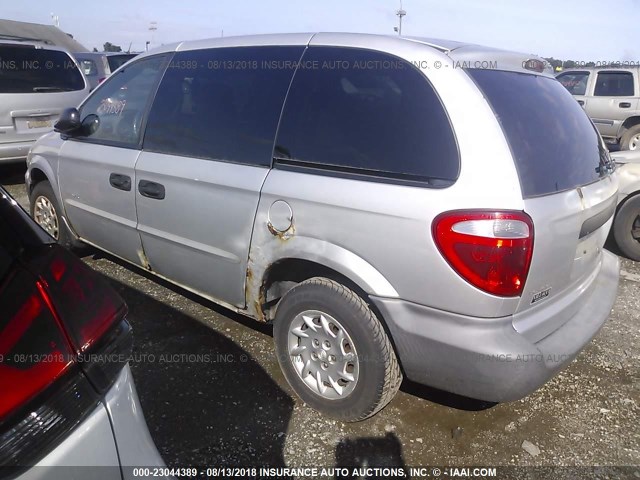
(16, 38)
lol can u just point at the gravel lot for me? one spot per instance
(232, 406)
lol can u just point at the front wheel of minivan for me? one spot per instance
(626, 228)
(334, 352)
(46, 212)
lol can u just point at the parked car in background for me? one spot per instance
(381, 224)
(68, 398)
(98, 66)
(626, 226)
(611, 97)
(36, 83)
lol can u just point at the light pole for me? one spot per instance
(400, 13)
(153, 26)
(55, 19)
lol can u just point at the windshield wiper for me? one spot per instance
(47, 89)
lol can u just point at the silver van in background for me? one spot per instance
(98, 66)
(37, 82)
(395, 207)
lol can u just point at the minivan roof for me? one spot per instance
(458, 51)
(31, 43)
(102, 54)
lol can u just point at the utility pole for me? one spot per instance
(153, 26)
(400, 13)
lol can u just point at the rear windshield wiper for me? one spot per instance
(48, 89)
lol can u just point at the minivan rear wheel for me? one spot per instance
(334, 352)
(626, 228)
(46, 212)
(631, 139)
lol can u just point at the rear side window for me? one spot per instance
(554, 144)
(25, 69)
(574, 82)
(366, 112)
(614, 84)
(222, 104)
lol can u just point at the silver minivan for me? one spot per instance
(394, 206)
(37, 82)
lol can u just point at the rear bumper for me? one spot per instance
(488, 359)
(11, 152)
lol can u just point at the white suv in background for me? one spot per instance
(626, 226)
(611, 97)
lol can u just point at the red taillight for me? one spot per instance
(87, 306)
(491, 250)
(100, 80)
(63, 341)
(34, 351)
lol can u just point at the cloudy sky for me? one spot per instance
(567, 29)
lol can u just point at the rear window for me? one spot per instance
(89, 67)
(25, 69)
(614, 84)
(116, 61)
(553, 142)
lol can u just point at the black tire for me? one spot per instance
(379, 374)
(627, 222)
(64, 237)
(625, 140)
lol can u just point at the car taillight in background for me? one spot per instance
(33, 348)
(86, 306)
(63, 339)
(490, 249)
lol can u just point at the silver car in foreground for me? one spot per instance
(68, 407)
(394, 206)
(37, 82)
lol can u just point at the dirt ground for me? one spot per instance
(213, 394)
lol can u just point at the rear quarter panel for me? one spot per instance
(388, 226)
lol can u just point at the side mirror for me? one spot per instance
(90, 124)
(69, 122)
